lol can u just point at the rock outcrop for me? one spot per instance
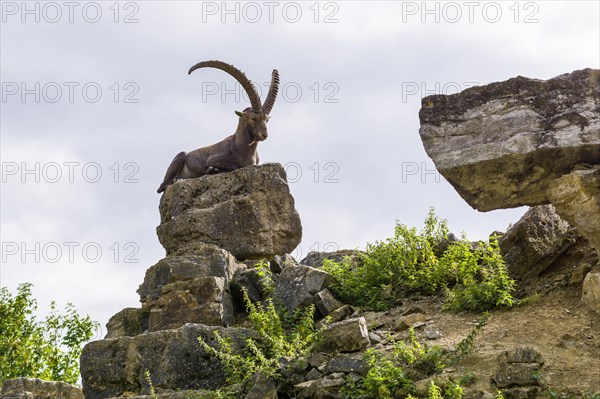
(191, 285)
(213, 228)
(576, 197)
(248, 212)
(535, 241)
(541, 241)
(298, 286)
(33, 388)
(522, 142)
(520, 373)
(174, 359)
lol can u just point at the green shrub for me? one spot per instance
(413, 261)
(482, 281)
(48, 350)
(275, 341)
(393, 375)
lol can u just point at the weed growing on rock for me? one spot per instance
(425, 262)
(153, 394)
(265, 277)
(275, 342)
(394, 375)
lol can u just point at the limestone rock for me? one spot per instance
(576, 197)
(263, 388)
(521, 367)
(280, 261)
(191, 285)
(505, 144)
(346, 364)
(128, 322)
(193, 261)
(248, 212)
(33, 388)
(410, 320)
(297, 285)
(535, 241)
(249, 281)
(315, 258)
(345, 336)
(323, 388)
(326, 302)
(591, 291)
(174, 358)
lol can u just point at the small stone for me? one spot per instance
(297, 285)
(408, 321)
(306, 389)
(337, 315)
(345, 336)
(313, 374)
(522, 354)
(375, 338)
(317, 359)
(591, 291)
(413, 309)
(263, 388)
(326, 303)
(346, 364)
(315, 258)
(432, 334)
(280, 261)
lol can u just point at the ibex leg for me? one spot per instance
(173, 171)
(220, 163)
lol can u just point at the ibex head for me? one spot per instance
(257, 115)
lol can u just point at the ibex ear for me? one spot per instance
(239, 113)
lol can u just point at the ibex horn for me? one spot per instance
(238, 75)
(273, 89)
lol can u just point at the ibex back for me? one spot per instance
(235, 151)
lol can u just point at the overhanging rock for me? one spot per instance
(522, 142)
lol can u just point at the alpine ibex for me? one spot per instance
(237, 150)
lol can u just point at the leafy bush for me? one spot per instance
(275, 341)
(413, 261)
(393, 376)
(409, 361)
(48, 350)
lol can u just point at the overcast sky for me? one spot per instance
(96, 101)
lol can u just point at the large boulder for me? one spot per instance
(174, 358)
(345, 336)
(536, 241)
(191, 285)
(520, 373)
(33, 388)
(248, 212)
(576, 197)
(522, 142)
(298, 286)
(503, 144)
